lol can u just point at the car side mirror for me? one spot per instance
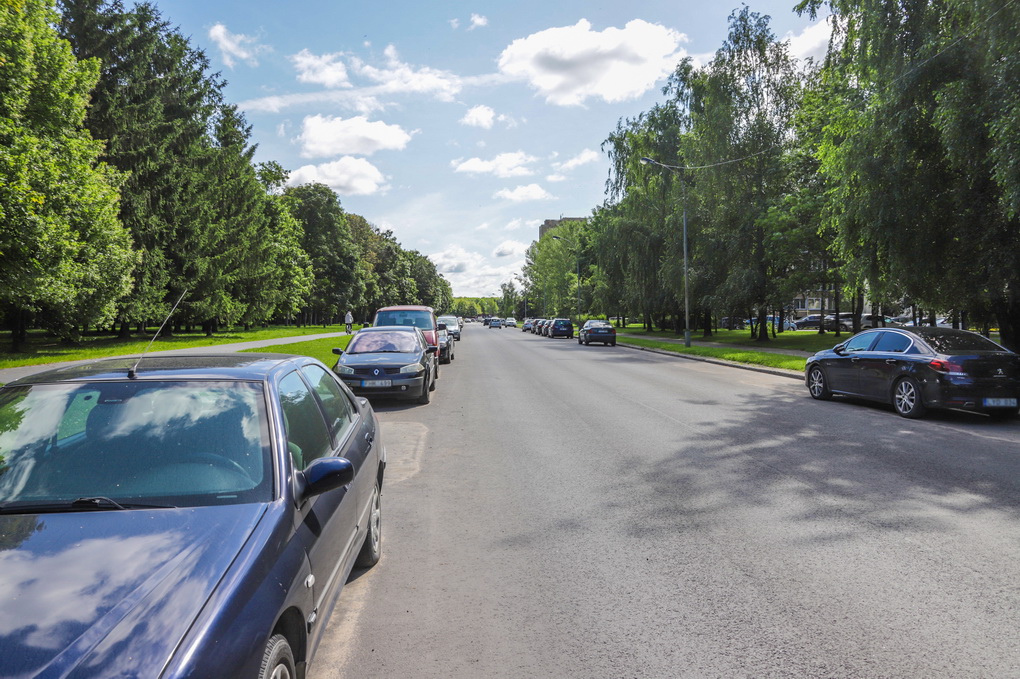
(338, 351)
(324, 474)
(839, 350)
(431, 350)
(442, 326)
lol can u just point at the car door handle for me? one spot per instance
(891, 361)
(854, 359)
(369, 437)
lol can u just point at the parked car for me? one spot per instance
(561, 327)
(452, 325)
(389, 360)
(167, 517)
(597, 331)
(510, 322)
(810, 322)
(540, 326)
(915, 369)
(411, 316)
(527, 325)
(446, 344)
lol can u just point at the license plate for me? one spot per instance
(1000, 403)
(376, 383)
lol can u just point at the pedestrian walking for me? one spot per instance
(349, 321)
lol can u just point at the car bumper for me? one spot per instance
(606, 339)
(982, 395)
(399, 387)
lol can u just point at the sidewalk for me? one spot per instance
(795, 374)
(11, 374)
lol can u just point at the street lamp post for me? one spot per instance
(577, 257)
(687, 283)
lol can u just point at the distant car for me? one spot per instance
(495, 323)
(415, 316)
(389, 361)
(597, 331)
(915, 369)
(527, 325)
(536, 327)
(452, 325)
(510, 322)
(447, 344)
(561, 327)
(167, 516)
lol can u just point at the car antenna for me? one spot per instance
(133, 372)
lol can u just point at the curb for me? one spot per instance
(778, 372)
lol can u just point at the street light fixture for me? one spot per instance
(577, 257)
(687, 283)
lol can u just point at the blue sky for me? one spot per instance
(461, 127)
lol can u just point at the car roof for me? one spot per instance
(212, 366)
(390, 328)
(406, 307)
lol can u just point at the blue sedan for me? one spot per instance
(181, 516)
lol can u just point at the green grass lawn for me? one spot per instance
(737, 354)
(321, 349)
(40, 348)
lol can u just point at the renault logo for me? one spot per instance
(376, 372)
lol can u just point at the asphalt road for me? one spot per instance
(568, 511)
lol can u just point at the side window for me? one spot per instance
(338, 408)
(306, 432)
(860, 342)
(892, 342)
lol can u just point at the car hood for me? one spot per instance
(385, 358)
(110, 592)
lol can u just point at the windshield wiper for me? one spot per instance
(98, 502)
(82, 504)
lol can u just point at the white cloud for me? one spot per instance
(398, 77)
(477, 21)
(510, 248)
(321, 69)
(812, 42)
(570, 64)
(556, 178)
(471, 274)
(504, 165)
(479, 116)
(235, 46)
(524, 193)
(348, 176)
(323, 136)
(583, 158)
(516, 224)
(455, 24)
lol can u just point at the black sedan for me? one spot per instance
(389, 360)
(181, 517)
(919, 368)
(597, 331)
(560, 327)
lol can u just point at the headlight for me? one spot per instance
(346, 370)
(413, 369)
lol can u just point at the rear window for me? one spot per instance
(961, 342)
(561, 324)
(417, 319)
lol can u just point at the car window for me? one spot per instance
(892, 342)
(151, 442)
(306, 430)
(409, 317)
(952, 342)
(338, 408)
(860, 342)
(383, 341)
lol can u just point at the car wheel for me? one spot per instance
(426, 391)
(278, 659)
(579, 340)
(612, 344)
(372, 549)
(818, 386)
(907, 398)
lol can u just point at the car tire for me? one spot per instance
(818, 385)
(426, 391)
(612, 344)
(371, 551)
(907, 398)
(278, 660)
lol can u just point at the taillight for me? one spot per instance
(946, 367)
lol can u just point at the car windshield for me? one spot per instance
(391, 341)
(599, 324)
(150, 443)
(417, 319)
(955, 343)
(451, 323)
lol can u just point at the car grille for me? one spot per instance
(367, 372)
